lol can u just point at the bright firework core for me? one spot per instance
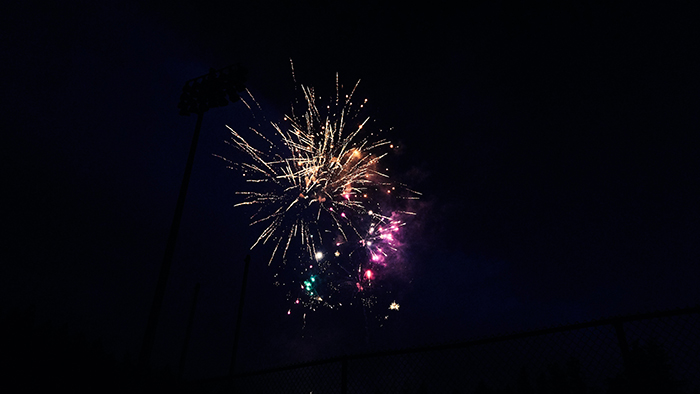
(317, 188)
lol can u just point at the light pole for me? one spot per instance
(198, 96)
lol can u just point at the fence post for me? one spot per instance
(622, 341)
(344, 376)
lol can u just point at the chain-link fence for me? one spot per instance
(652, 352)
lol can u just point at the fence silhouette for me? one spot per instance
(650, 352)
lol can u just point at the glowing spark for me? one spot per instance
(394, 306)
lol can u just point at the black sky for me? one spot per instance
(556, 148)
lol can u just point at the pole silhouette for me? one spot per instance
(198, 96)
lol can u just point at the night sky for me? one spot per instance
(556, 148)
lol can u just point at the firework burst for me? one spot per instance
(320, 197)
